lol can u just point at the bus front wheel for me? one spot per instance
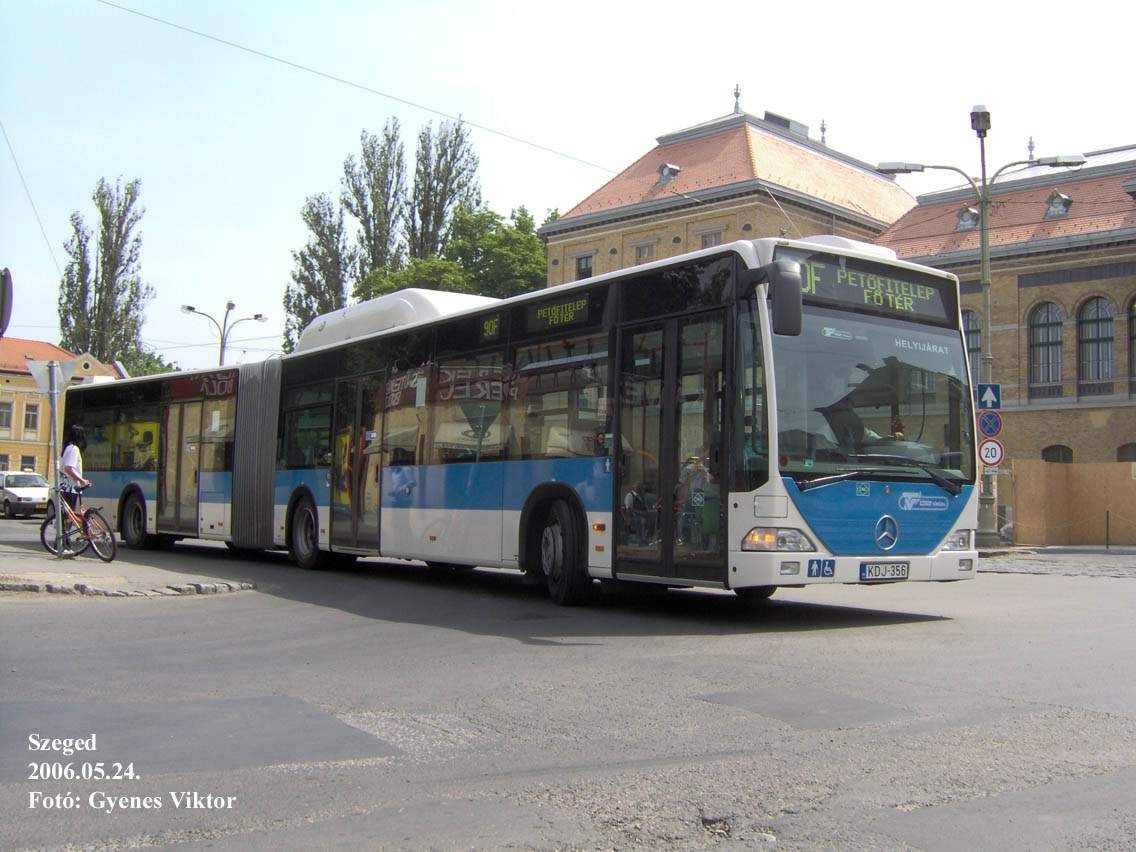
(560, 557)
(303, 540)
(755, 595)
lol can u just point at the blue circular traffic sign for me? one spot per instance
(990, 423)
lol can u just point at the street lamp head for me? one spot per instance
(188, 309)
(260, 317)
(1062, 161)
(980, 120)
(230, 305)
(899, 168)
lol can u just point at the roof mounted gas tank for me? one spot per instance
(406, 307)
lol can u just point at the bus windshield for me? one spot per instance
(861, 394)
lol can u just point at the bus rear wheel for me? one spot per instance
(561, 559)
(134, 524)
(303, 537)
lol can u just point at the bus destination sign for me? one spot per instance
(873, 287)
(549, 316)
(490, 329)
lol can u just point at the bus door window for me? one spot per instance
(641, 444)
(701, 386)
(751, 430)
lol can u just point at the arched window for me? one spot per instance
(1045, 351)
(1132, 348)
(1094, 347)
(1057, 453)
(972, 329)
(1126, 452)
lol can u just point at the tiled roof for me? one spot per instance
(14, 351)
(1017, 214)
(740, 149)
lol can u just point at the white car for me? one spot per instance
(23, 493)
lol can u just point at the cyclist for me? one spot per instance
(71, 480)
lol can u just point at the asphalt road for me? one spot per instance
(383, 708)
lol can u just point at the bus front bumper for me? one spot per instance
(803, 569)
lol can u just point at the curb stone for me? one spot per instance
(95, 591)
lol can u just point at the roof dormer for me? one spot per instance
(1058, 205)
(967, 219)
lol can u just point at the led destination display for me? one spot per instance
(826, 279)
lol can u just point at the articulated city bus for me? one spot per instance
(764, 413)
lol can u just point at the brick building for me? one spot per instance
(736, 177)
(1063, 299)
(25, 424)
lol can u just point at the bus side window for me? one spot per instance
(561, 402)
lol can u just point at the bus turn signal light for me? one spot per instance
(776, 539)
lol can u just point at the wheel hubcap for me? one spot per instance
(550, 551)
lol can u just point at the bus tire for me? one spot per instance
(561, 557)
(755, 595)
(134, 524)
(303, 535)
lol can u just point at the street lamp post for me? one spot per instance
(224, 327)
(987, 535)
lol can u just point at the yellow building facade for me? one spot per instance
(733, 178)
(25, 411)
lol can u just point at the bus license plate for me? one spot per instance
(883, 572)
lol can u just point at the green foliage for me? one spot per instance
(321, 271)
(430, 273)
(102, 304)
(143, 363)
(374, 193)
(445, 178)
(501, 259)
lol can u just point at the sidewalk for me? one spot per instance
(26, 567)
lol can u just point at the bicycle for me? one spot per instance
(90, 529)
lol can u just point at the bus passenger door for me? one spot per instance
(355, 468)
(343, 463)
(670, 450)
(177, 492)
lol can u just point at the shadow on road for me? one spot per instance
(498, 603)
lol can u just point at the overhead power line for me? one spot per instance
(360, 86)
(31, 200)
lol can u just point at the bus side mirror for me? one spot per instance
(785, 293)
(784, 277)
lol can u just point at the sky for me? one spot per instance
(228, 144)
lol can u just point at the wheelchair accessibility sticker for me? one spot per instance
(822, 567)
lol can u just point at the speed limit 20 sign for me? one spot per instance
(991, 452)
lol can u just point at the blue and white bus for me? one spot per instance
(764, 413)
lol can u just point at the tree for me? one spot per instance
(445, 177)
(143, 363)
(430, 273)
(374, 192)
(501, 259)
(101, 306)
(322, 269)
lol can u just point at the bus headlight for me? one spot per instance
(959, 540)
(776, 538)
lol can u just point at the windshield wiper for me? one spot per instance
(806, 484)
(948, 485)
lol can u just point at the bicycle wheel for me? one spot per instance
(73, 543)
(101, 536)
